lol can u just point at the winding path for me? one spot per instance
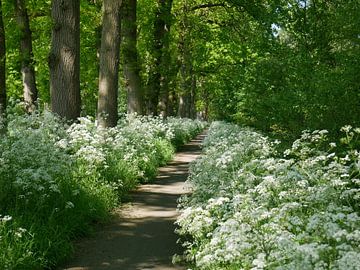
(141, 235)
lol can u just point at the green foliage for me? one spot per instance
(56, 180)
(184, 129)
(40, 24)
(21, 241)
(13, 64)
(281, 66)
(254, 208)
(90, 34)
(277, 65)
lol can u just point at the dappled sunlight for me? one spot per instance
(64, 178)
(141, 235)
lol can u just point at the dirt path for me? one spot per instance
(141, 235)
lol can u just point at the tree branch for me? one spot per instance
(207, 6)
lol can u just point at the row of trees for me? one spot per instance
(64, 60)
(119, 25)
(279, 65)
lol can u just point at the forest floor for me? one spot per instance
(141, 234)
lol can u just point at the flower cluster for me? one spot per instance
(183, 129)
(254, 208)
(56, 179)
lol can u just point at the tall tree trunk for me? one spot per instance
(26, 52)
(164, 68)
(185, 80)
(182, 106)
(64, 59)
(2, 73)
(131, 65)
(171, 103)
(109, 64)
(157, 90)
(193, 97)
(186, 97)
(164, 99)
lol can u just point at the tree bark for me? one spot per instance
(2, 73)
(26, 55)
(109, 64)
(187, 79)
(184, 74)
(64, 59)
(165, 68)
(182, 106)
(192, 113)
(170, 106)
(158, 92)
(129, 50)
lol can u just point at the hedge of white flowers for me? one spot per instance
(254, 208)
(57, 179)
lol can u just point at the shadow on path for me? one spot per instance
(141, 236)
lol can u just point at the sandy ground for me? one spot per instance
(141, 234)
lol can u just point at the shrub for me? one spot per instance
(254, 208)
(57, 179)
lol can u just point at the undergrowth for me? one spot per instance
(57, 179)
(252, 207)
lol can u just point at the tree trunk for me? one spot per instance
(131, 66)
(64, 59)
(109, 64)
(187, 83)
(26, 55)
(157, 90)
(193, 97)
(182, 106)
(165, 68)
(164, 100)
(172, 102)
(2, 73)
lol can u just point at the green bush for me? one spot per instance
(254, 208)
(56, 180)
